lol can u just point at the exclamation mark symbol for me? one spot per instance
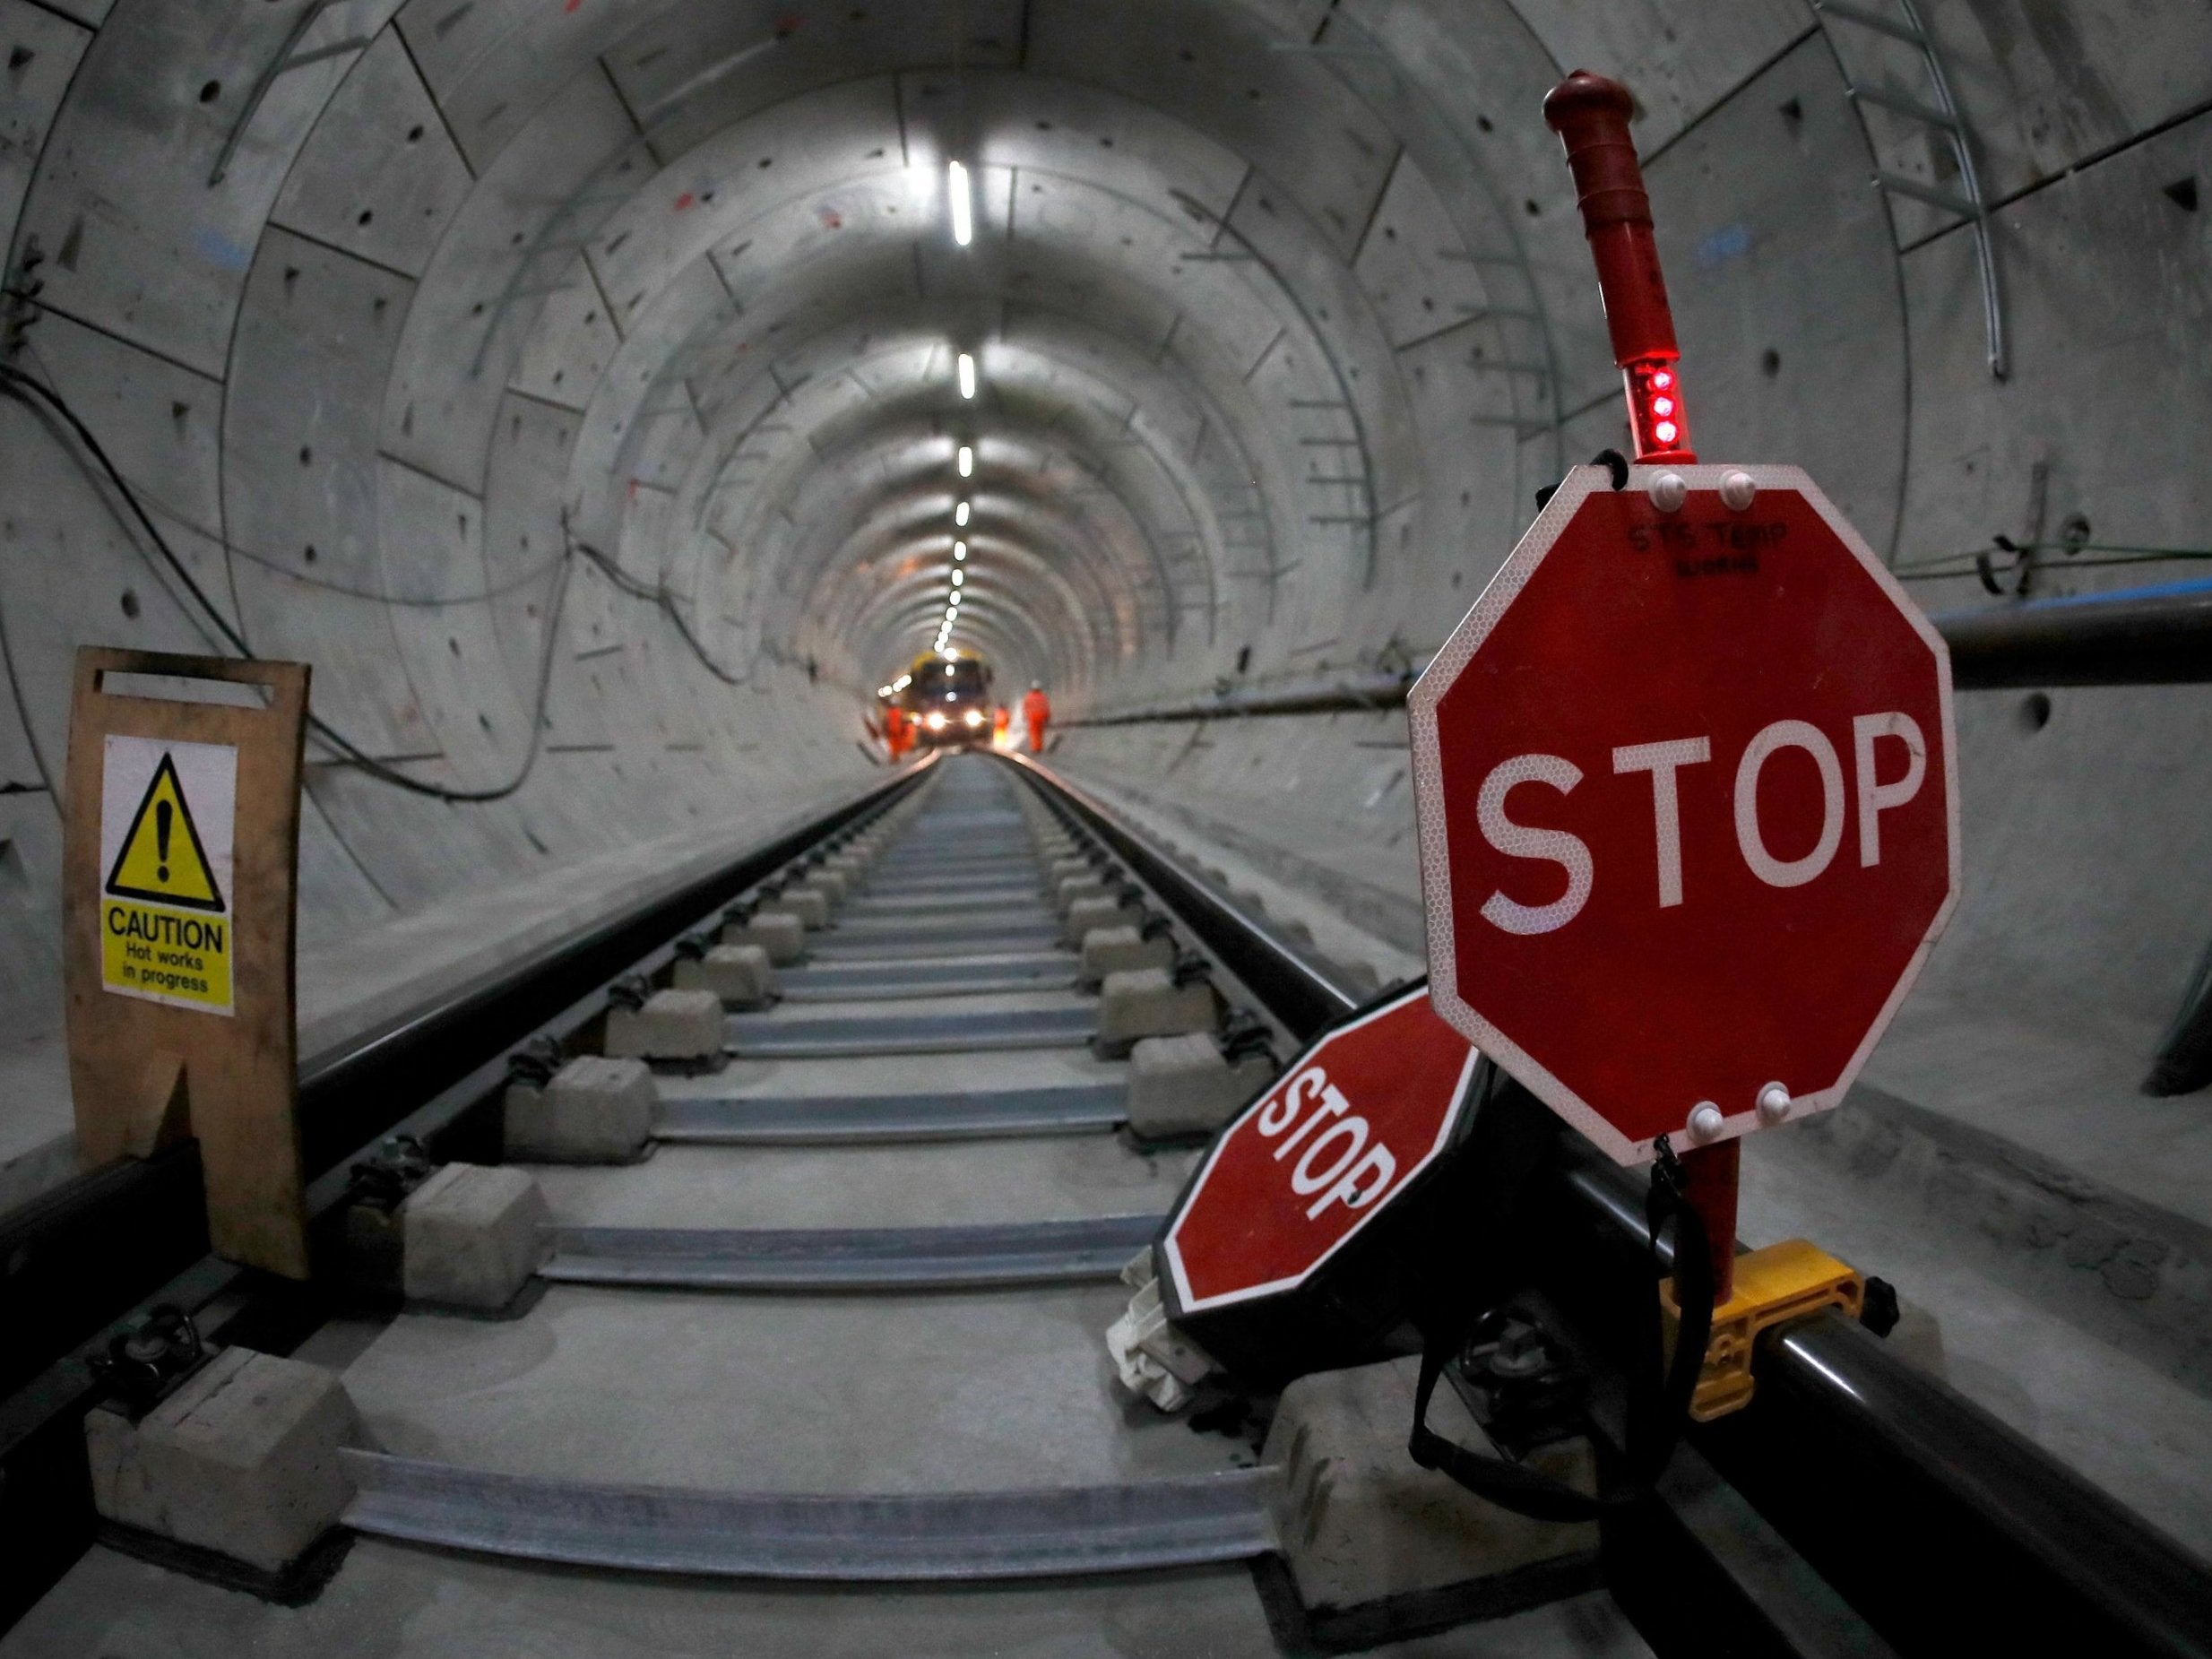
(162, 813)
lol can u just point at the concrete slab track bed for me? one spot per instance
(873, 1359)
(924, 1397)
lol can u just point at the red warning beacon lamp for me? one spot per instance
(1591, 115)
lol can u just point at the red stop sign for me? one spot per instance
(1350, 1124)
(1688, 804)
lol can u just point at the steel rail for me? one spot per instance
(1937, 1522)
(85, 1259)
(1943, 1528)
(851, 1258)
(82, 1254)
(918, 1537)
(1297, 990)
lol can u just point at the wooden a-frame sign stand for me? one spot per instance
(180, 852)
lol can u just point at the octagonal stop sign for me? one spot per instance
(1302, 1236)
(1688, 803)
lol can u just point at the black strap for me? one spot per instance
(1653, 1431)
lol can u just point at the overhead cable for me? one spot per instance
(33, 392)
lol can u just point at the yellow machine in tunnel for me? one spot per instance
(947, 697)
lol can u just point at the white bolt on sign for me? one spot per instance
(167, 813)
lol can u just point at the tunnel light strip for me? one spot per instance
(960, 514)
(967, 375)
(959, 576)
(960, 551)
(962, 208)
(967, 460)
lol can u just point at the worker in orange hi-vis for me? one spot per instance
(897, 731)
(1036, 714)
(1001, 717)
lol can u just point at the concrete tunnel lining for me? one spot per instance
(672, 280)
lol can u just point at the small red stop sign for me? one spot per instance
(1688, 804)
(1353, 1122)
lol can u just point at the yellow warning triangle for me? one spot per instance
(162, 857)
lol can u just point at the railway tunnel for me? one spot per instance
(608, 402)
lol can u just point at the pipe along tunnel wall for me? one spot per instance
(574, 387)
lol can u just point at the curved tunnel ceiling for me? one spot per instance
(572, 382)
(1103, 281)
(678, 281)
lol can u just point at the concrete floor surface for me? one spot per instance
(2142, 1435)
(853, 1394)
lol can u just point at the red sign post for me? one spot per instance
(1686, 775)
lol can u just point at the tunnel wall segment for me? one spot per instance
(191, 382)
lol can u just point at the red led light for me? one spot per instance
(1656, 418)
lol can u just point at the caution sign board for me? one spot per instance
(180, 856)
(168, 819)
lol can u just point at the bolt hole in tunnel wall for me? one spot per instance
(578, 388)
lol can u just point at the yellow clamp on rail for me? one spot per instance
(1780, 1283)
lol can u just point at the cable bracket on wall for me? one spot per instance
(289, 57)
(1939, 112)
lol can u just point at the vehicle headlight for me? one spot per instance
(937, 722)
(974, 718)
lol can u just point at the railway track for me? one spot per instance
(825, 1372)
(842, 1327)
